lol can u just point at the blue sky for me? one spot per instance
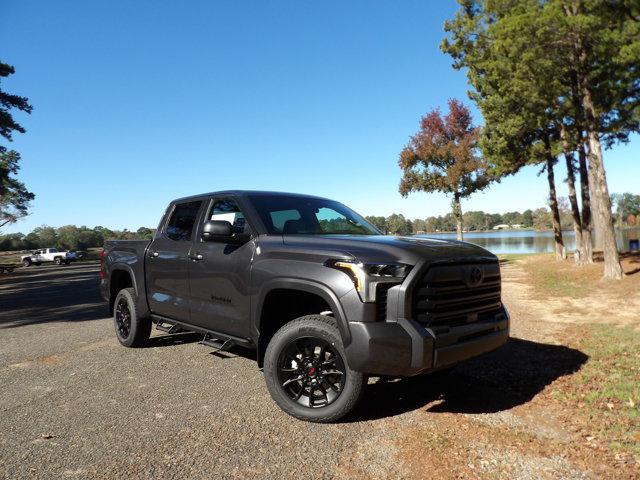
(136, 103)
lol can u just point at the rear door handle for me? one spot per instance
(153, 254)
(196, 257)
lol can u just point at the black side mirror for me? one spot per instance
(221, 231)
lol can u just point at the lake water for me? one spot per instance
(529, 241)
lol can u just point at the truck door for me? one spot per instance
(167, 262)
(219, 274)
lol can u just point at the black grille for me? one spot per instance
(382, 289)
(449, 295)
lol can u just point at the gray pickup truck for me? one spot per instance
(320, 294)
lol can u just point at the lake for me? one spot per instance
(528, 241)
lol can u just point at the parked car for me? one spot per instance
(319, 293)
(38, 257)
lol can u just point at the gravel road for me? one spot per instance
(75, 404)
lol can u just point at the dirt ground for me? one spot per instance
(75, 404)
(547, 435)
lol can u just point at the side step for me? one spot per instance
(210, 338)
(219, 345)
(167, 327)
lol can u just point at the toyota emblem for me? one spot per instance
(474, 276)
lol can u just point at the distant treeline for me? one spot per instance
(397, 224)
(69, 237)
(627, 213)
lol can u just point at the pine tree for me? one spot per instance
(14, 197)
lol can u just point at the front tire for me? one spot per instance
(57, 260)
(307, 373)
(131, 329)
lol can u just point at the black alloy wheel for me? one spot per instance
(311, 372)
(307, 372)
(123, 318)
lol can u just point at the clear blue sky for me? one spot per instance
(136, 103)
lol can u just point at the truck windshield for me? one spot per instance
(293, 215)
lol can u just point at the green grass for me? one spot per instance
(513, 257)
(561, 279)
(609, 384)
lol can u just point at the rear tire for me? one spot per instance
(26, 262)
(132, 330)
(306, 371)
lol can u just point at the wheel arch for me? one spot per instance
(121, 276)
(316, 295)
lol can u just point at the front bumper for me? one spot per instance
(406, 348)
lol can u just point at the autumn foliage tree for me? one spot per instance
(443, 156)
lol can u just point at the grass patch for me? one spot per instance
(513, 257)
(608, 386)
(553, 278)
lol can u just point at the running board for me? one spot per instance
(170, 328)
(220, 346)
(217, 339)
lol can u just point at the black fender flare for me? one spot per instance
(142, 305)
(308, 286)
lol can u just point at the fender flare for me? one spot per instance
(129, 270)
(142, 305)
(308, 286)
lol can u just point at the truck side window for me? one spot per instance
(182, 220)
(227, 209)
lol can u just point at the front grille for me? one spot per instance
(447, 295)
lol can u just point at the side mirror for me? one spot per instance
(221, 231)
(214, 230)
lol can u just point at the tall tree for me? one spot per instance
(605, 47)
(521, 54)
(14, 197)
(519, 125)
(444, 157)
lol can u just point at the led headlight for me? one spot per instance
(367, 276)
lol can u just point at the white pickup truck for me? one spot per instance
(43, 255)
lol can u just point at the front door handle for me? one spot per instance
(196, 257)
(153, 254)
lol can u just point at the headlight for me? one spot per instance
(367, 276)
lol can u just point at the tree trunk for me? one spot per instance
(596, 231)
(585, 197)
(600, 200)
(586, 203)
(457, 213)
(579, 254)
(553, 204)
(600, 190)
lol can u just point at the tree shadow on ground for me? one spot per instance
(51, 294)
(508, 377)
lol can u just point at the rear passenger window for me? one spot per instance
(182, 220)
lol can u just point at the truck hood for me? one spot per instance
(387, 248)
